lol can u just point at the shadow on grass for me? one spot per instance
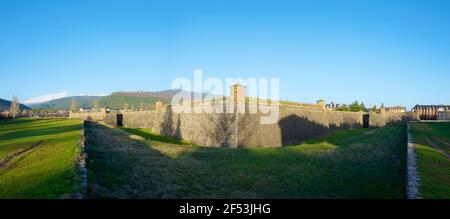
(154, 137)
(368, 167)
(17, 121)
(40, 132)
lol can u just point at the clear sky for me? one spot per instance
(396, 52)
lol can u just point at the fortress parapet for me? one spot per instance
(237, 93)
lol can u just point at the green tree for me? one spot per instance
(374, 108)
(355, 107)
(362, 107)
(14, 109)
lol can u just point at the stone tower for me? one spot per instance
(382, 109)
(159, 105)
(237, 96)
(237, 93)
(320, 102)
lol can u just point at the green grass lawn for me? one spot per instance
(38, 158)
(362, 163)
(432, 165)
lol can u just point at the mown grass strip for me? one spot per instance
(432, 164)
(47, 170)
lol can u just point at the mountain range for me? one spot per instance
(46, 98)
(6, 104)
(114, 100)
(55, 96)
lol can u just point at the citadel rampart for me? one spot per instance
(296, 123)
(97, 116)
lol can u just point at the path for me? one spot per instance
(443, 142)
(437, 147)
(412, 184)
(17, 153)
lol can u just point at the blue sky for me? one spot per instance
(396, 52)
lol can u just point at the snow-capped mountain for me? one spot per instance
(93, 94)
(45, 98)
(55, 96)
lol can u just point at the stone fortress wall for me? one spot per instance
(98, 116)
(296, 123)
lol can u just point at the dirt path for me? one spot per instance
(14, 154)
(9, 157)
(443, 142)
(413, 179)
(437, 147)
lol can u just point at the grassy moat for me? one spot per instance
(363, 163)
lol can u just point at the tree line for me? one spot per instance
(357, 107)
(14, 111)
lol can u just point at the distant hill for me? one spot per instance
(64, 103)
(6, 104)
(163, 95)
(115, 100)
